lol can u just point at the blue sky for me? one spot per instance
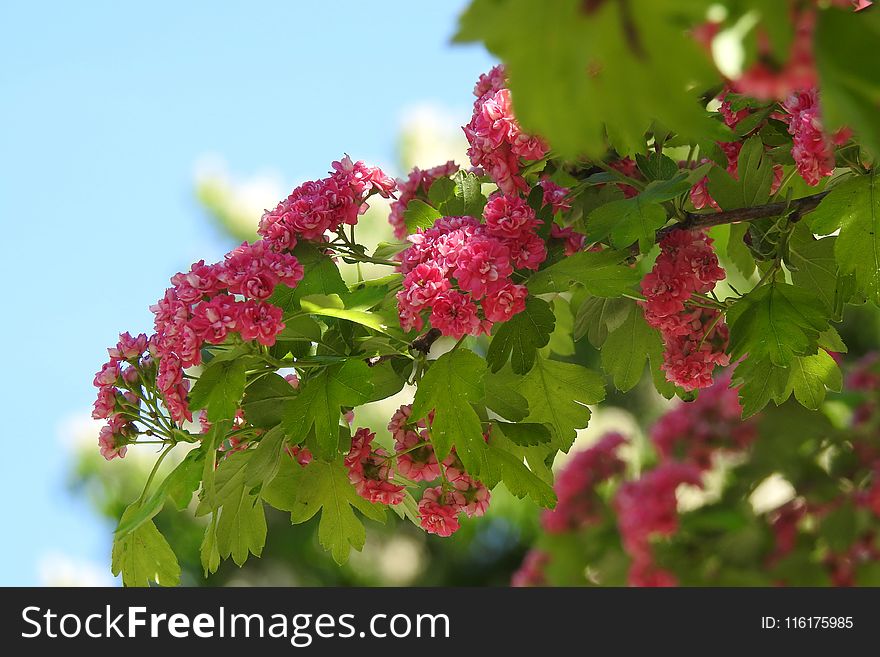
(105, 109)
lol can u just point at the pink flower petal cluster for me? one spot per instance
(578, 502)
(460, 267)
(120, 393)
(647, 508)
(415, 185)
(459, 493)
(496, 140)
(317, 206)
(812, 150)
(694, 338)
(208, 303)
(369, 469)
(693, 432)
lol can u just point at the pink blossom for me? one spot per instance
(128, 347)
(509, 217)
(111, 444)
(504, 303)
(437, 513)
(483, 266)
(369, 470)
(812, 150)
(574, 241)
(212, 320)
(259, 321)
(416, 185)
(454, 314)
(108, 375)
(555, 196)
(495, 137)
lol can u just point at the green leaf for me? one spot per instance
(574, 71)
(810, 375)
(419, 214)
(386, 381)
(300, 328)
(219, 389)
(596, 316)
(324, 487)
(321, 276)
(387, 250)
(263, 465)
(449, 387)
(504, 400)
(469, 199)
(754, 178)
(525, 434)
(557, 394)
(656, 166)
(812, 264)
(776, 321)
(239, 519)
(627, 348)
(853, 207)
(505, 464)
(241, 527)
(522, 336)
(759, 381)
(850, 80)
(600, 272)
(626, 222)
(318, 404)
(333, 306)
(208, 552)
(143, 555)
(179, 485)
(264, 399)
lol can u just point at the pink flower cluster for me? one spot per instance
(460, 266)
(812, 150)
(647, 508)
(578, 503)
(695, 337)
(458, 493)
(416, 185)
(369, 469)
(496, 140)
(693, 432)
(120, 392)
(317, 206)
(208, 303)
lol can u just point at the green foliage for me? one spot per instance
(574, 71)
(850, 81)
(264, 398)
(601, 273)
(143, 555)
(754, 178)
(522, 336)
(853, 207)
(454, 382)
(323, 487)
(458, 196)
(628, 347)
(557, 394)
(318, 405)
(419, 214)
(219, 389)
(778, 322)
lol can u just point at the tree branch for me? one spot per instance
(695, 220)
(422, 343)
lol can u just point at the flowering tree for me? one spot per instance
(599, 199)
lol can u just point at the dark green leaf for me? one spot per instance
(522, 336)
(219, 389)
